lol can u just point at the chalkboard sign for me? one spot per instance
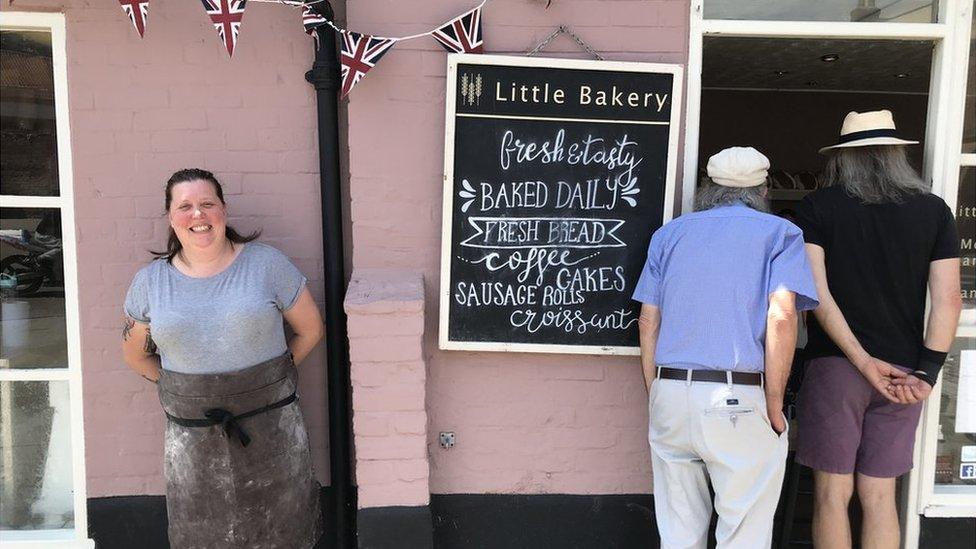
(557, 172)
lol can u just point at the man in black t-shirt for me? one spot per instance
(876, 239)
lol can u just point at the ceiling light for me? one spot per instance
(781, 73)
(829, 58)
(902, 75)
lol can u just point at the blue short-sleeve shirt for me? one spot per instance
(711, 274)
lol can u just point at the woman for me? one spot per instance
(204, 321)
(877, 240)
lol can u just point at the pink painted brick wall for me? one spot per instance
(524, 423)
(141, 109)
(386, 326)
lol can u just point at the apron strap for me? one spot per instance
(229, 421)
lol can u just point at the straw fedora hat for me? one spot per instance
(862, 129)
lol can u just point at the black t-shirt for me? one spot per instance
(877, 258)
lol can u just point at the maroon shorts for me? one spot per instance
(846, 425)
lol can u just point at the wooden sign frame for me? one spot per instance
(453, 61)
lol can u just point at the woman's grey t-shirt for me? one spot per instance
(220, 323)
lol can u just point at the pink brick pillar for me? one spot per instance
(388, 374)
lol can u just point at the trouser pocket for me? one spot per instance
(732, 413)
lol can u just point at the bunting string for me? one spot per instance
(359, 52)
(337, 28)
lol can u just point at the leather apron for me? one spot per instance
(236, 482)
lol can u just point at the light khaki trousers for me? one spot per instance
(701, 431)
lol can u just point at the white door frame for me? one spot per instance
(942, 160)
(931, 502)
(78, 536)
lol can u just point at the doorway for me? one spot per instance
(787, 97)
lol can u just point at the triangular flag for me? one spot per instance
(360, 52)
(462, 34)
(138, 11)
(312, 20)
(226, 16)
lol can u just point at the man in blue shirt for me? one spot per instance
(720, 291)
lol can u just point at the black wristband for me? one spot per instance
(920, 374)
(929, 365)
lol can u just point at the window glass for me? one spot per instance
(871, 11)
(35, 456)
(32, 310)
(966, 223)
(955, 465)
(969, 122)
(28, 136)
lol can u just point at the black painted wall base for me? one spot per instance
(543, 521)
(395, 528)
(139, 522)
(472, 521)
(503, 521)
(945, 533)
(124, 522)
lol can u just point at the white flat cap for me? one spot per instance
(738, 167)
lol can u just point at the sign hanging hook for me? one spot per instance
(563, 29)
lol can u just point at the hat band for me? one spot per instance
(865, 135)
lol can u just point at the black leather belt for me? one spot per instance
(716, 376)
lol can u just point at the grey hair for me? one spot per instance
(711, 195)
(874, 174)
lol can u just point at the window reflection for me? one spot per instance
(862, 11)
(966, 223)
(957, 419)
(32, 311)
(969, 121)
(35, 456)
(28, 136)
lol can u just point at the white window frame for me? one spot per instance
(942, 162)
(78, 536)
(930, 502)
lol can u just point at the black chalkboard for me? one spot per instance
(557, 172)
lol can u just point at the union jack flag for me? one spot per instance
(312, 20)
(360, 52)
(462, 34)
(138, 12)
(226, 16)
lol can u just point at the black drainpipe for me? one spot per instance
(325, 77)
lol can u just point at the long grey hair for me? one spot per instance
(711, 195)
(874, 174)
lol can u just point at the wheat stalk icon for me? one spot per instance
(471, 93)
(464, 86)
(477, 88)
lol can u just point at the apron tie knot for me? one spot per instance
(228, 421)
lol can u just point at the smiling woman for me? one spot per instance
(195, 204)
(204, 321)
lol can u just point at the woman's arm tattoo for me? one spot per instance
(150, 345)
(127, 325)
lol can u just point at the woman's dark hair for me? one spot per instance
(173, 245)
